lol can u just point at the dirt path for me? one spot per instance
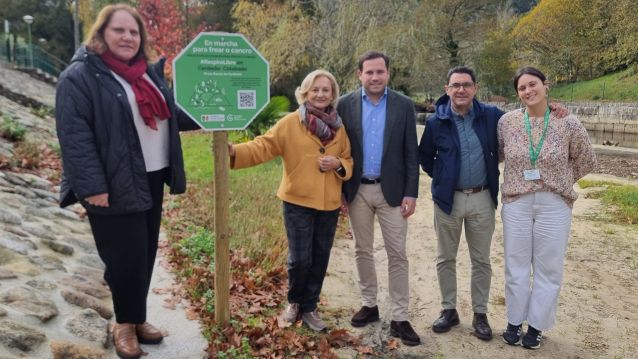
(598, 306)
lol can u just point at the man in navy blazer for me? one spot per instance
(459, 150)
(382, 130)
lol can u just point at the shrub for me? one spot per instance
(43, 111)
(199, 247)
(28, 154)
(11, 129)
(276, 108)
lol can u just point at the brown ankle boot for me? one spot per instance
(148, 334)
(125, 340)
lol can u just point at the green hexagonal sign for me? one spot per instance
(221, 81)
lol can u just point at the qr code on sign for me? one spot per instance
(246, 99)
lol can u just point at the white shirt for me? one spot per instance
(155, 145)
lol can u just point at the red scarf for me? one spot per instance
(149, 100)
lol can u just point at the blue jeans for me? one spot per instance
(310, 236)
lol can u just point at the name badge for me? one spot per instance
(531, 175)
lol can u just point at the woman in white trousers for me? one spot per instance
(544, 156)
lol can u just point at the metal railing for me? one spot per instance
(32, 56)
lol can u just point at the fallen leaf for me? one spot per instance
(393, 344)
(254, 309)
(282, 323)
(191, 314)
(365, 350)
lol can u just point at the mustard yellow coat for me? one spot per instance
(302, 183)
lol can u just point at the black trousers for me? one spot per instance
(127, 244)
(310, 236)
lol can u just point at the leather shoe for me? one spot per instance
(125, 340)
(148, 334)
(404, 331)
(482, 328)
(445, 322)
(364, 316)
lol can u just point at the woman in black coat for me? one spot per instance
(118, 128)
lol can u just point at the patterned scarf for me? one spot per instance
(149, 100)
(321, 123)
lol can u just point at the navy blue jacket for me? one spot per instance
(101, 151)
(439, 150)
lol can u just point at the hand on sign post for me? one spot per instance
(231, 150)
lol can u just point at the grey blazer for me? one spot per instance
(399, 164)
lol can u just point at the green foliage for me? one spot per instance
(579, 39)
(12, 130)
(52, 20)
(422, 38)
(621, 86)
(493, 64)
(43, 112)
(216, 14)
(209, 299)
(27, 154)
(283, 32)
(55, 147)
(243, 352)
(623, 199)
(569, 40)
(276, 108)
(200, 247)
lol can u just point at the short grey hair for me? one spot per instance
(301, 93)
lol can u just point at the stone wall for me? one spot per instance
(600, 116)
(53, 299)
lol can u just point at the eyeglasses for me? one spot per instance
(457, 86)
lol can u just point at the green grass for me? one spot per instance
(623, 199)
(255, 212)
(621, 86)
(198, 155)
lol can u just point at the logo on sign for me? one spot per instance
(212, 118)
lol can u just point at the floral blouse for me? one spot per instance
(566, 155)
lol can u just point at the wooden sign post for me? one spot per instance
(222, 251)
(222, 82)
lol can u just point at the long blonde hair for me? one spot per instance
(95, 38)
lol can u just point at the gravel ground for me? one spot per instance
(620, 164)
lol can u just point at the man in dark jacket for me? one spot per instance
(381, 127)
(459, 151)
